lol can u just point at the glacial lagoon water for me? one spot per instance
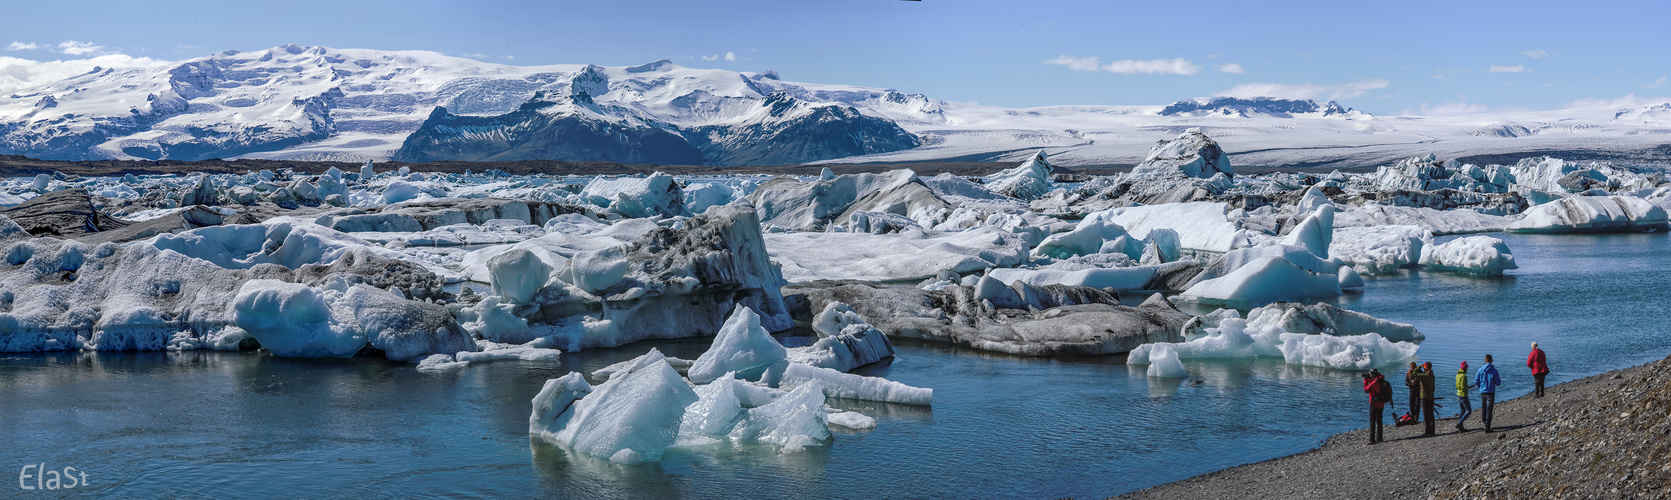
(216, 424)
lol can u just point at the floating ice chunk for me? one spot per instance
(1118, 278)
(1328, 319)
(1379, 249)
(41, 182)
(835, 317)
(631, 418)
(404, 329)
(1358, 352)
(678, 364)
(793, 422)
(495, 321)
(1312, 199)
(595, 270)
(1350, 279)
(1591, 214)
(1315, 232)
(1192, 154)
(741, 346)
(1439, 222)
(826, 174)
(399, 191)
(851, 420)
(440, 362)
(1088, 237)
(1231, 339)
(714, 414)
(649, 196)
(855, 346)
(517, 275)
(285, 241)
(1263, 281)
(836, 384)
(913, 254)
(1480, 255)
(554, 400)
(292, 320)
(535, 350)
(1164, 363)
(1027, 181)
(699, 196)
(1201, 226)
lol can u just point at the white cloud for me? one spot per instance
(17, 74)
(1232, 68)
(714, 57)
(1176, 66)
(1518, 68)
(1536, 54)
(1629, 100)
(508, 58)
(475, 55)
(1076, 63)
(16, 46)
(1453, 108)
(731, 56)
(1305, 90)
(1657, 83)
(75, 48)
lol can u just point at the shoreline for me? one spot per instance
(1602, 435)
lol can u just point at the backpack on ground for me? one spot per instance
(1405, 419)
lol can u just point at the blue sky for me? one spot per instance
(1383, 58)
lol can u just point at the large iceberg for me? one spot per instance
(293, 320)
(813, 205)
(631, 418)
(1234, 338)
(1480, 255)
(883, 257)
(1192, 154)
(1592, 214)
(1201, 226)
(741, 346)
(1027, 181)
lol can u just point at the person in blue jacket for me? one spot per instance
(1487, 380)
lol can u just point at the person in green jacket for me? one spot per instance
(1462, 402)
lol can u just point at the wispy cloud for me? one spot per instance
(1076, 63)
(17, 74)
(729, 56)
(1453, 108)
(1657, 83)
(1232, 68)
(1176, 66)
(1536, 53)
(1305, 90)
(17, 46)
(1518, 68)
(75, 48)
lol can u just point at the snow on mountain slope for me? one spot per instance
(316, 103)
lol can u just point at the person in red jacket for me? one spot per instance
(1539, 367)
(1380, 393)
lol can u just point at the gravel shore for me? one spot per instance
(1606, 436)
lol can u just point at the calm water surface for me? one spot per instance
(213, 424)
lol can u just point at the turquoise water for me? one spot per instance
(213, 424)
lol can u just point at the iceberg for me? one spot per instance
(836, 384)
(1201, 226)
(1380, 249)
(1191, 154)
(1592, 214)
(1328, 319)
(631, 418)
(1263, 281)
(1479, 255)
(846, 341)
(1234, 338)
(293, 320)
(404, 329)
(900, 256)
(741, 346)
(649, 196)
(1164, 363)
(1027, 181)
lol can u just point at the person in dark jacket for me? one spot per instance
(1374, 384)
(1487, 380)
(1424, 378)
(1539, 367)
(1415, 390)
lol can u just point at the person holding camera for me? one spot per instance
(1380, 393)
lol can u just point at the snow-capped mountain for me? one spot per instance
(1257, 106)
(317, 103)
(662, 113)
